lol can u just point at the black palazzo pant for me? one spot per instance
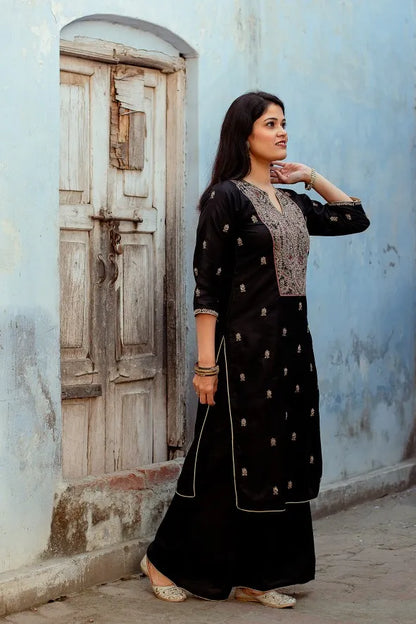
(207, 546)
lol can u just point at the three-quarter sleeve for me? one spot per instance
(214, 250)
(333, 218)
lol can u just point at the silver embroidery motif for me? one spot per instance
(204, 244)
(348, 216)
(263, 312)
(197, 292)
(275, 490)
(294, 436)
(196, 272)
(263, 260)
(238, 337)
(244, 472)
(242, 288)
(284, 331)
(289, 233)
(311, 367)
(243, 422)
(267, 354)
(269, 394)
(212, 195)
(289, 485)
(242, 377)
(300, 306)
(273, 441)
(299, 349)
(219, 270)
(254, 219)
(311, 459)
(285, 372)
(333, 218)
(297, 388)
(286, 415)
(240, 242)
(226, 228)
(312, 412)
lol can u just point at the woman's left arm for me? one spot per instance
(291, 173)
(340, 215)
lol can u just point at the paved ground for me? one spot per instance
(366, 574)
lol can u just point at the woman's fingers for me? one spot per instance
(205, 388)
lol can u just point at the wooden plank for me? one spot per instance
(84, 391)
(136, 429)
(138, 296)
(75, 439)
(75, 291)
(175, 288)
(137, 138)
(111, 52)
(74, 137)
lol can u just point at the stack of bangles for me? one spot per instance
(211, 371)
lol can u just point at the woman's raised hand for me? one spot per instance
(289, 173)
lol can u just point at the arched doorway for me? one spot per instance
(118, 209)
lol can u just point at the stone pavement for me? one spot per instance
(366, 573)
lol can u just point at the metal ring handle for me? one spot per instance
(104, 275)
(112, 260)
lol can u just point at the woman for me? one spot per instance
(241, 515)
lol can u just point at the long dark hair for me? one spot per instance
(232, 161)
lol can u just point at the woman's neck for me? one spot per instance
(259, 175)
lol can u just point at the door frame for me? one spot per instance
(175, 320)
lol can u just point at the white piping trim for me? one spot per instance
(199, 438)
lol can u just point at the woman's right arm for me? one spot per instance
(213, 269)
(205, 387)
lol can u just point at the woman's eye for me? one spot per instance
(270, 124)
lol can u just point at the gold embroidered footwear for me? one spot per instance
(170, 593)
(269, 599)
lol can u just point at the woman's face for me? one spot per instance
(268, 138)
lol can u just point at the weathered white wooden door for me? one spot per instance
(112, 260)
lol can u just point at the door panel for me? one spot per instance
(134, 404)
(75, 138)
(137, 296)
(75, 423)
(112, 216)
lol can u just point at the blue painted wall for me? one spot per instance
(345, 71)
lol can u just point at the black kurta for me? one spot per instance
(258, 449)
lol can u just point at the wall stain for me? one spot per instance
(28, 371)
(68, 527)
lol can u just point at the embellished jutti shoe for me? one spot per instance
(270, 598)
(170, 593)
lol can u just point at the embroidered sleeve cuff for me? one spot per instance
(353, 200)
(205, 311)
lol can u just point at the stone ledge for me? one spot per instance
(342, 494)
(35, 585)
(144, 477)
(101, 512)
